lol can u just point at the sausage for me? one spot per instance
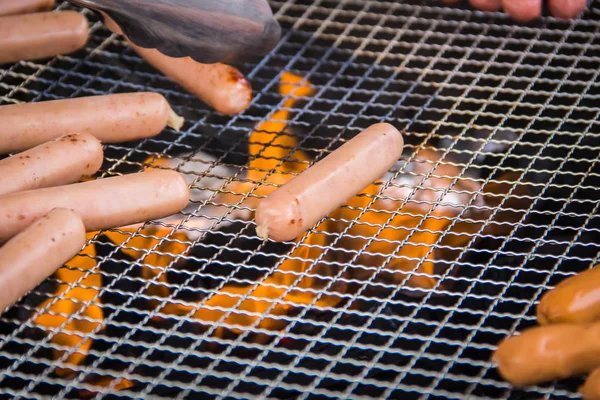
(13, 7)
(36, 252)
(574, 300)
(545, 353)
(55, 163)
(299, 204)
(590, 390)
(112, 118)
(41, 35)
(221, 86)
(103, 203)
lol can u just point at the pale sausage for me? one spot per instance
(590, 390)
(221, 86)
(575, 300)
(102, 204)
(111, 118)
(59, 162)
(41, 35)
(299, 204)
(36, 252)
(13, 7)
(546, 353)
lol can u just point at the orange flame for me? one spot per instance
(76, 314)
(404, 252)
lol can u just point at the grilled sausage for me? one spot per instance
(102, 204)
(299, 204)
(221, 86)
(574, 300)
(41, 35)
(55, 163)
(545, 353)
(36, 252)
(590, 390)
(13, 7)
(112, 118)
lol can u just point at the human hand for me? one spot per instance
(528, 10)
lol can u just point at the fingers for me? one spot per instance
(528, 10)
(566, 9)
(487, 5)
(523, 10)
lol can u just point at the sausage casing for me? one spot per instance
(13, 7)
(55, 163)
(575, 300)
(112, 118)
(221, 86)
(102, 203)
(590, 390)
(41, 35)
(299, 204)
(36, 252)
(545, 353)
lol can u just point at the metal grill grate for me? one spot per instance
(489, 95)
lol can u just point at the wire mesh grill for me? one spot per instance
(494, 102)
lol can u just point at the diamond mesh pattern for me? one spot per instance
(489, 95)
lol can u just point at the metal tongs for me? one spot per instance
(209, 31)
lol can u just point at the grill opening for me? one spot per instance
(402, 293)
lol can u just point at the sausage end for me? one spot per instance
(175, 121)
(263, 232)
(234, 94)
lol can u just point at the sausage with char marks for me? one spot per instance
(102, 204)
(112, 118)
(221, 86)
(36, 252)
(55, 163)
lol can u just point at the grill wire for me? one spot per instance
(489, 94)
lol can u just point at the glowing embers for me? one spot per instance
(74, 314)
